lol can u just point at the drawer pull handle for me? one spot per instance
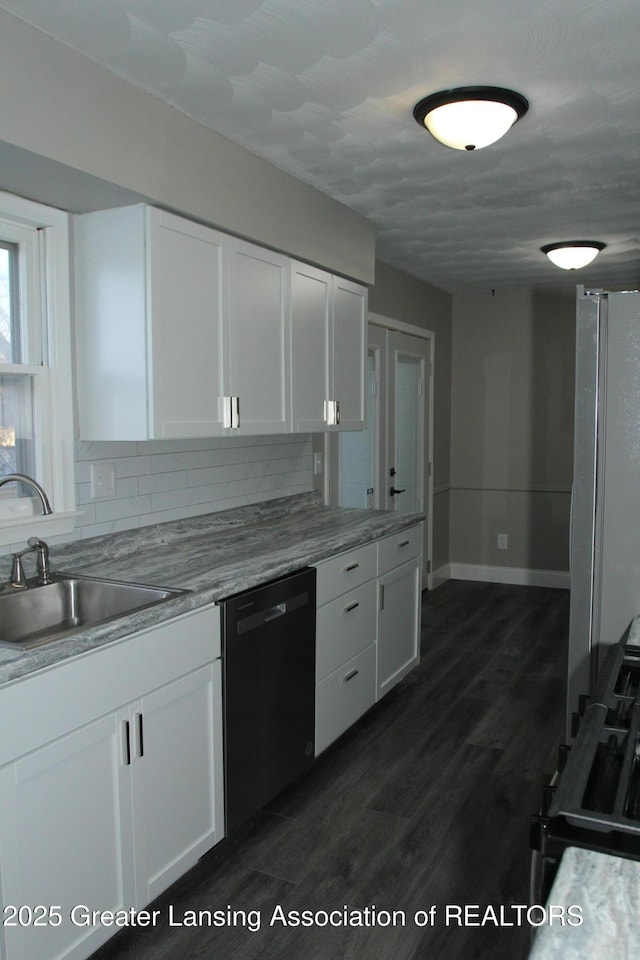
(352, 566)
(351, 675)
(126, 743)
(352, 606)
(139, 724)
(404, 543)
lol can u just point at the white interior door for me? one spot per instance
(407, 394)
(387, 465)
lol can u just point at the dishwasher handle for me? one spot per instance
(255, 620)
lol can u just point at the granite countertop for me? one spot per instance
(633, 637)
(213, 556)
(607, 890)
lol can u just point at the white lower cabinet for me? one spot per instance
(398, 624)
(367, 628)
(112, 811)
(176, 736)
(66, 840)
(399, 593)
(345, 641)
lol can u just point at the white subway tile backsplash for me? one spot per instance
(133, 466)
(164, 462)
(105, 450)
(157, 482)
(164, 480)
(107, 510)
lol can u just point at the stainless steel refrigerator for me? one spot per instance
(605, 515)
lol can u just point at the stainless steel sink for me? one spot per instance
(39, 614)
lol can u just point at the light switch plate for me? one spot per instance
(103, 480)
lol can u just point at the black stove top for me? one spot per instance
(594, 800)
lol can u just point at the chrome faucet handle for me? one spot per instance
(18, 579)
(42, 552)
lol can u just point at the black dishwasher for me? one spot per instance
(269, 656)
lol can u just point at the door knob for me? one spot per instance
(393, 491)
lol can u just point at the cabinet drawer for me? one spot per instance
(344, 628)
(344, 572)
(343, 696)
(398, 548)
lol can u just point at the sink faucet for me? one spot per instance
(18, 579)
(23, 478)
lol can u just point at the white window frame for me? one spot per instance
(49, 332)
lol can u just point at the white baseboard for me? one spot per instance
(441, 575)
(519, 575)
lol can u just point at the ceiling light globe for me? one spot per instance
(470, 124)
(573, 256)
(469, 118)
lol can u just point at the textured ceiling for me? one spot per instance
(324, 89)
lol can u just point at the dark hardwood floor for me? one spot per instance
(424, 803)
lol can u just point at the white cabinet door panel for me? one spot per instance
(177, 778)
(310, 341)
(349, 350)
(257, 341)
(184, 314)
(66, 838)
(398, 624)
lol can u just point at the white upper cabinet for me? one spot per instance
(149, 325)
(256, 334)
(311, 291)
(328, 331)
(184, 269)
(183, 331)
(349, 351)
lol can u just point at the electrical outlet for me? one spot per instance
(103, 480)
(503, 541)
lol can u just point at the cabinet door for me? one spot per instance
(184, 316)
(349, 351)
(257, 338)
(310, 334)
(66, 839)
(398, 624)
(176, 770)
(111, 333)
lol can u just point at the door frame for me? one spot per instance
(330, 443)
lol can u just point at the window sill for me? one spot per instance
(22, 527)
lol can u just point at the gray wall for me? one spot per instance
(76, 136)
(402, 297)
(512, 429)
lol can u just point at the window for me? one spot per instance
(17, 350)
(36, 433)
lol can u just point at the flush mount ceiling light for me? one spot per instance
(573, 254)
(469, 118)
